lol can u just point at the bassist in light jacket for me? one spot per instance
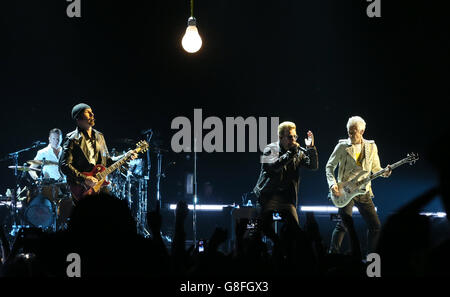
(352, 155)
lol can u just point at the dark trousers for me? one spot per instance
(275, 204)
(367, 210)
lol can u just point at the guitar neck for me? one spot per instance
(114, 166)
(379, 173)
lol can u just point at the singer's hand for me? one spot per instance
(310, 140)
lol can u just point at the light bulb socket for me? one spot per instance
(192, 21)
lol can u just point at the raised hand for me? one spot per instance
(309, 142)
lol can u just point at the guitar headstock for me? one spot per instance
(141, 146)
(411, 158)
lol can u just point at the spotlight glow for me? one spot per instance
(434, 214)
(326, 209)
(209, 207)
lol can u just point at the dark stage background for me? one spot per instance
(312, 62)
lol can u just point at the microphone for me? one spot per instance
(37, 142)
(143, 132)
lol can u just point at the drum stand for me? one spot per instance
(16, 225)
(127, 190)
(158, 180)
(54, 207)
(54, 203)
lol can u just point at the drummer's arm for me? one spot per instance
(32, 173)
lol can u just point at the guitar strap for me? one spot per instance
(363, 154)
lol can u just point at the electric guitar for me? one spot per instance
(354, 187)
(100, 172)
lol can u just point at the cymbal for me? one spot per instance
(24, 168)
(39, 162)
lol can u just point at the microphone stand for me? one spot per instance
(144, 193)
(194, 213)
(15, 157)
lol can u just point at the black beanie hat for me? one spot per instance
(77, 109)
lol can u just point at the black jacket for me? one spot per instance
(280, 171)
(74, 158)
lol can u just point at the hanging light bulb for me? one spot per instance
(191, 41)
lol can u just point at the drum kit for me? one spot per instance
(42, 203)
(129, 185)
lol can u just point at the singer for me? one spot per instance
(277, 185)
(51, 154)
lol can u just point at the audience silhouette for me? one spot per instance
(103, 232)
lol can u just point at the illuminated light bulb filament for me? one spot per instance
(191, 41)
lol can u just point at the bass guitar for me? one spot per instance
(354, 186)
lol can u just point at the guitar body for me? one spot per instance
(348, 190)
(80, 191)
(347, 194)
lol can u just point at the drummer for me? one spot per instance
(50, 153)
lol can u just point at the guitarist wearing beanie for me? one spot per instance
(83, 149)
